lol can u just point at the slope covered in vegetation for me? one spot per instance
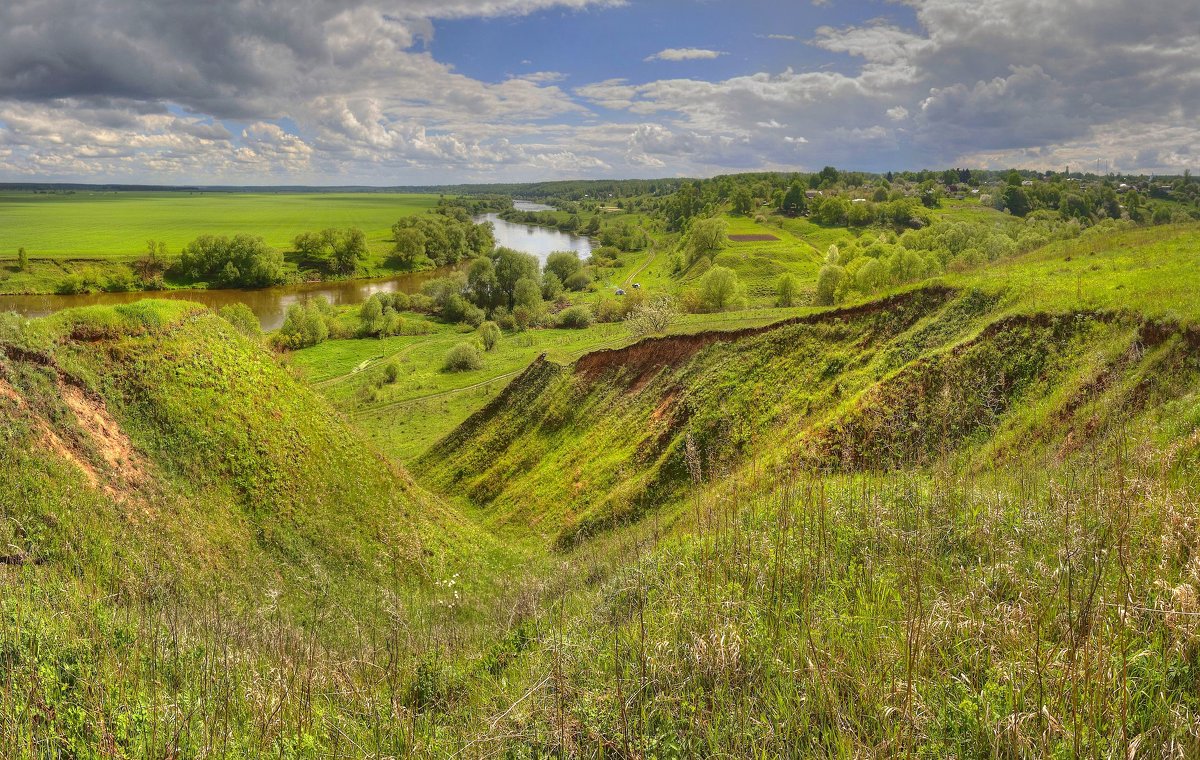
(192, 544)
(959, 521)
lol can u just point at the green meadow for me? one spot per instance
(116, 225)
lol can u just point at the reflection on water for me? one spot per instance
(540, 241)
(270, 304)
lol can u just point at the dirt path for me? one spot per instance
(364, 365)
(649, 260)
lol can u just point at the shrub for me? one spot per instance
(652, 317)
(503, 318)
(489, 334)
(578, 281)
(563, 264)
(240, 261)
(523, 318)
(305, 325)
(391, 372)
(610, 310)
(719, 289)
(464, 357)
(552, 287)
(828, 280)
(785, 291)
(575, 318)
(242, 318)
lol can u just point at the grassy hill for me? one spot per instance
(957, 519)
(194, 546)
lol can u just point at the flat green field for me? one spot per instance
(116, 225)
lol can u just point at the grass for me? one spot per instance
(116, 225)
(97, 231)
(956, 521)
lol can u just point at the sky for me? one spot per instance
(411, 92)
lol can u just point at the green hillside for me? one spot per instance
(955, 519)
(185, 525)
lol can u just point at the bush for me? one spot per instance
(578, 281)
(552, 287)
(786, 291)
(575, 318)
(391, 372)
(652, 317)
(464, 357)
(828, 280)
(489, 334)
(563, 264)
(241, 261)
(242, 318)
(523, 318)
(305, 325)
(719, 289)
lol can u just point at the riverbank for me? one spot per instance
(268, 304)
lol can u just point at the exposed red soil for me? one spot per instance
(753, 238)
(644, 359)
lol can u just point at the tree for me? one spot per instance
(349, 248)
(527, 293)
(410, 246)
(786, 291)
(22, 260)
(870, 276)
(704, 237)
(742, 201)
(464, 357)
(652, 317)
(1016, 200)
(489, 335)
(240, 261)
(718, 288)
(794, 201)
(860, 215)
(511, 266)
(828, 280)
(151, 265)
(371, 314)
(564, 264)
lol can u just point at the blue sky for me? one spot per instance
(594, 45)
(392, 92)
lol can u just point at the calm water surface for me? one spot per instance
(540, 241)
(271, 304)
(268, 304)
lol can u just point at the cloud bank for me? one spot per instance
(339, 91)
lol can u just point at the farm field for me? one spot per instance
(116, 225)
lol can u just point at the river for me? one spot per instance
(540, 241)
(271, 304)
